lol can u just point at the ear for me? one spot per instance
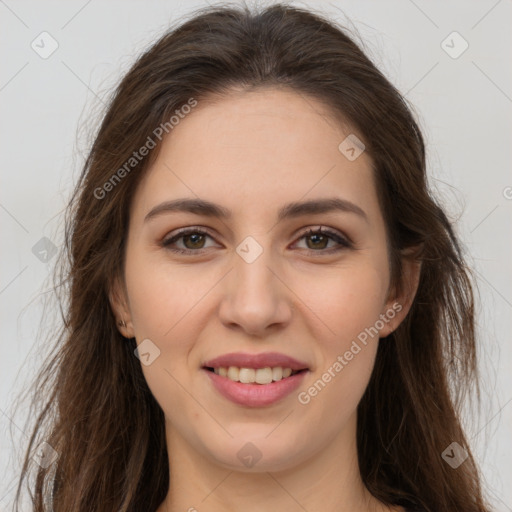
(118, 302)
(400, 298)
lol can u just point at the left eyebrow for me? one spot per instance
(290, 210)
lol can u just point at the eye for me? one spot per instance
(193, 236)
(321, 237)
(193, 240)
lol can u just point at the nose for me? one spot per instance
(255, 297)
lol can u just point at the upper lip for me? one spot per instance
(244, 360)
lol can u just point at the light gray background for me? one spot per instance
(464, 105)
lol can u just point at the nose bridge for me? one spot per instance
(252, 274)
(255, 297)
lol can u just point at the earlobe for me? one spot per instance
(121, 312)
(399, 304)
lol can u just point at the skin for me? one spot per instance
(253, 152)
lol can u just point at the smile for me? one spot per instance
(253, 394)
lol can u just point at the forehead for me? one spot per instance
(255, 151)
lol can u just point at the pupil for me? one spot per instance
(194, 235)
(313, 237)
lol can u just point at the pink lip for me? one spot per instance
(255, 395)
(243, 360)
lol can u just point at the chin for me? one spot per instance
(256, 454)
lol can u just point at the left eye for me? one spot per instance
(320, 237)
(193, 238)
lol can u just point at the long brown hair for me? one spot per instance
(96, 410)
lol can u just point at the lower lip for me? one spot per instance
(255, 395)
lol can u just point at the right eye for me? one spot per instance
(189, 235)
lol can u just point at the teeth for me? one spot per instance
(247, 375)
(251, 375)
(277, 373)
(233, 373)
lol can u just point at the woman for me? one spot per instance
(267, 308)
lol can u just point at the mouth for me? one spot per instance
(255, 380)
(250, 393)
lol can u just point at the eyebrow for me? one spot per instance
(289, 211)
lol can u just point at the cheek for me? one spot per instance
(166, 308)
(162, 296)
(345, 301)
(349, 305)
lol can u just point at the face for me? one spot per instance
(264, 288)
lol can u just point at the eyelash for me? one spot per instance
(344, 243)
